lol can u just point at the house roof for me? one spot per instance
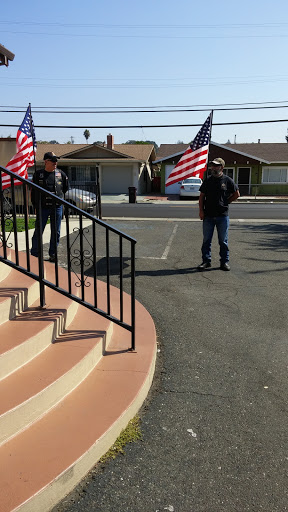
(265, 152)
(138, 151)
(166, 150)
(272, 151)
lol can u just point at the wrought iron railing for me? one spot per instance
(89, 249)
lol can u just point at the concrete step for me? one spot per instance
(26, 329)
(63, 409)
(39, 385)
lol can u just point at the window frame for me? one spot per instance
(229, 169)
(267, 169)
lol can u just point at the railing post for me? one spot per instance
(3, 227)
(40, 251)
(133, 295)
(111, 313)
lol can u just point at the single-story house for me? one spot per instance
(120, 166)
(258, 168)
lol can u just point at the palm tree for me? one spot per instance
(86, 135)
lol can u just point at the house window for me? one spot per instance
(73, 173)
(83, 173)
(274, 175)
(229, 171)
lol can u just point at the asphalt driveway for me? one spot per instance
(215, 424)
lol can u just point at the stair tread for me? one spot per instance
(38, 455)
(54, 361)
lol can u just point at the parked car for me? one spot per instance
(81, 198)
(190, 187)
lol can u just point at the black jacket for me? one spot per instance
(55, 182)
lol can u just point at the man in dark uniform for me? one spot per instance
(216, 193)
(54, 180)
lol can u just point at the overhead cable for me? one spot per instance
(109, 126)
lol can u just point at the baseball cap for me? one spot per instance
(51, 156)
(218, 161)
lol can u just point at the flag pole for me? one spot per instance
(31, 129)
(210, 136)
(34, 156)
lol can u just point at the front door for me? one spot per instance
(244, 180)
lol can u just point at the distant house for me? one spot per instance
(258, 168)
(120, 166)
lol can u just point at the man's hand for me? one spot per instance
(234, 196)
(201, 206)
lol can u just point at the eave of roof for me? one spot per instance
(141, 152)
(96, 161)
(223, 146)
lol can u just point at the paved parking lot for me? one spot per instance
(215, 425)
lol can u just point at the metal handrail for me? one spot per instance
(88, 248)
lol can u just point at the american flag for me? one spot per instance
(194, 160)
(24, 158)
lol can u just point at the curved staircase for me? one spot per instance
(68, 385)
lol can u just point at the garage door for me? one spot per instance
(172, 189)
(116, 180)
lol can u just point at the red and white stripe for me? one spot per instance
(192, 163)
(20, 162)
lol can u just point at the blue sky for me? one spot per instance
(130, 54)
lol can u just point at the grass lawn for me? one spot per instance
(9, 225)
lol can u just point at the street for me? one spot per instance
(215, 424)
(189, 209)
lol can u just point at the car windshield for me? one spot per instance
(82, 193)
(193, 181)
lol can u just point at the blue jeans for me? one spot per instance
(55, 214)
(222, 225)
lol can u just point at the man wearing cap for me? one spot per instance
(54, 180)
(216, 193)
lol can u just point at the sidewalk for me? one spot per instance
(162, 198)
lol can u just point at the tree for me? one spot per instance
(142, 142)
(47, 142)
(86, 135)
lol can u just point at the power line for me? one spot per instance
(146, 36)
(210, 105)
(142, 85)
(163, 111)
(141, 111)
(149, 126)
(59, 24)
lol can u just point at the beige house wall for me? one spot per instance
(7, 150)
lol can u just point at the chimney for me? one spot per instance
(110, 141)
